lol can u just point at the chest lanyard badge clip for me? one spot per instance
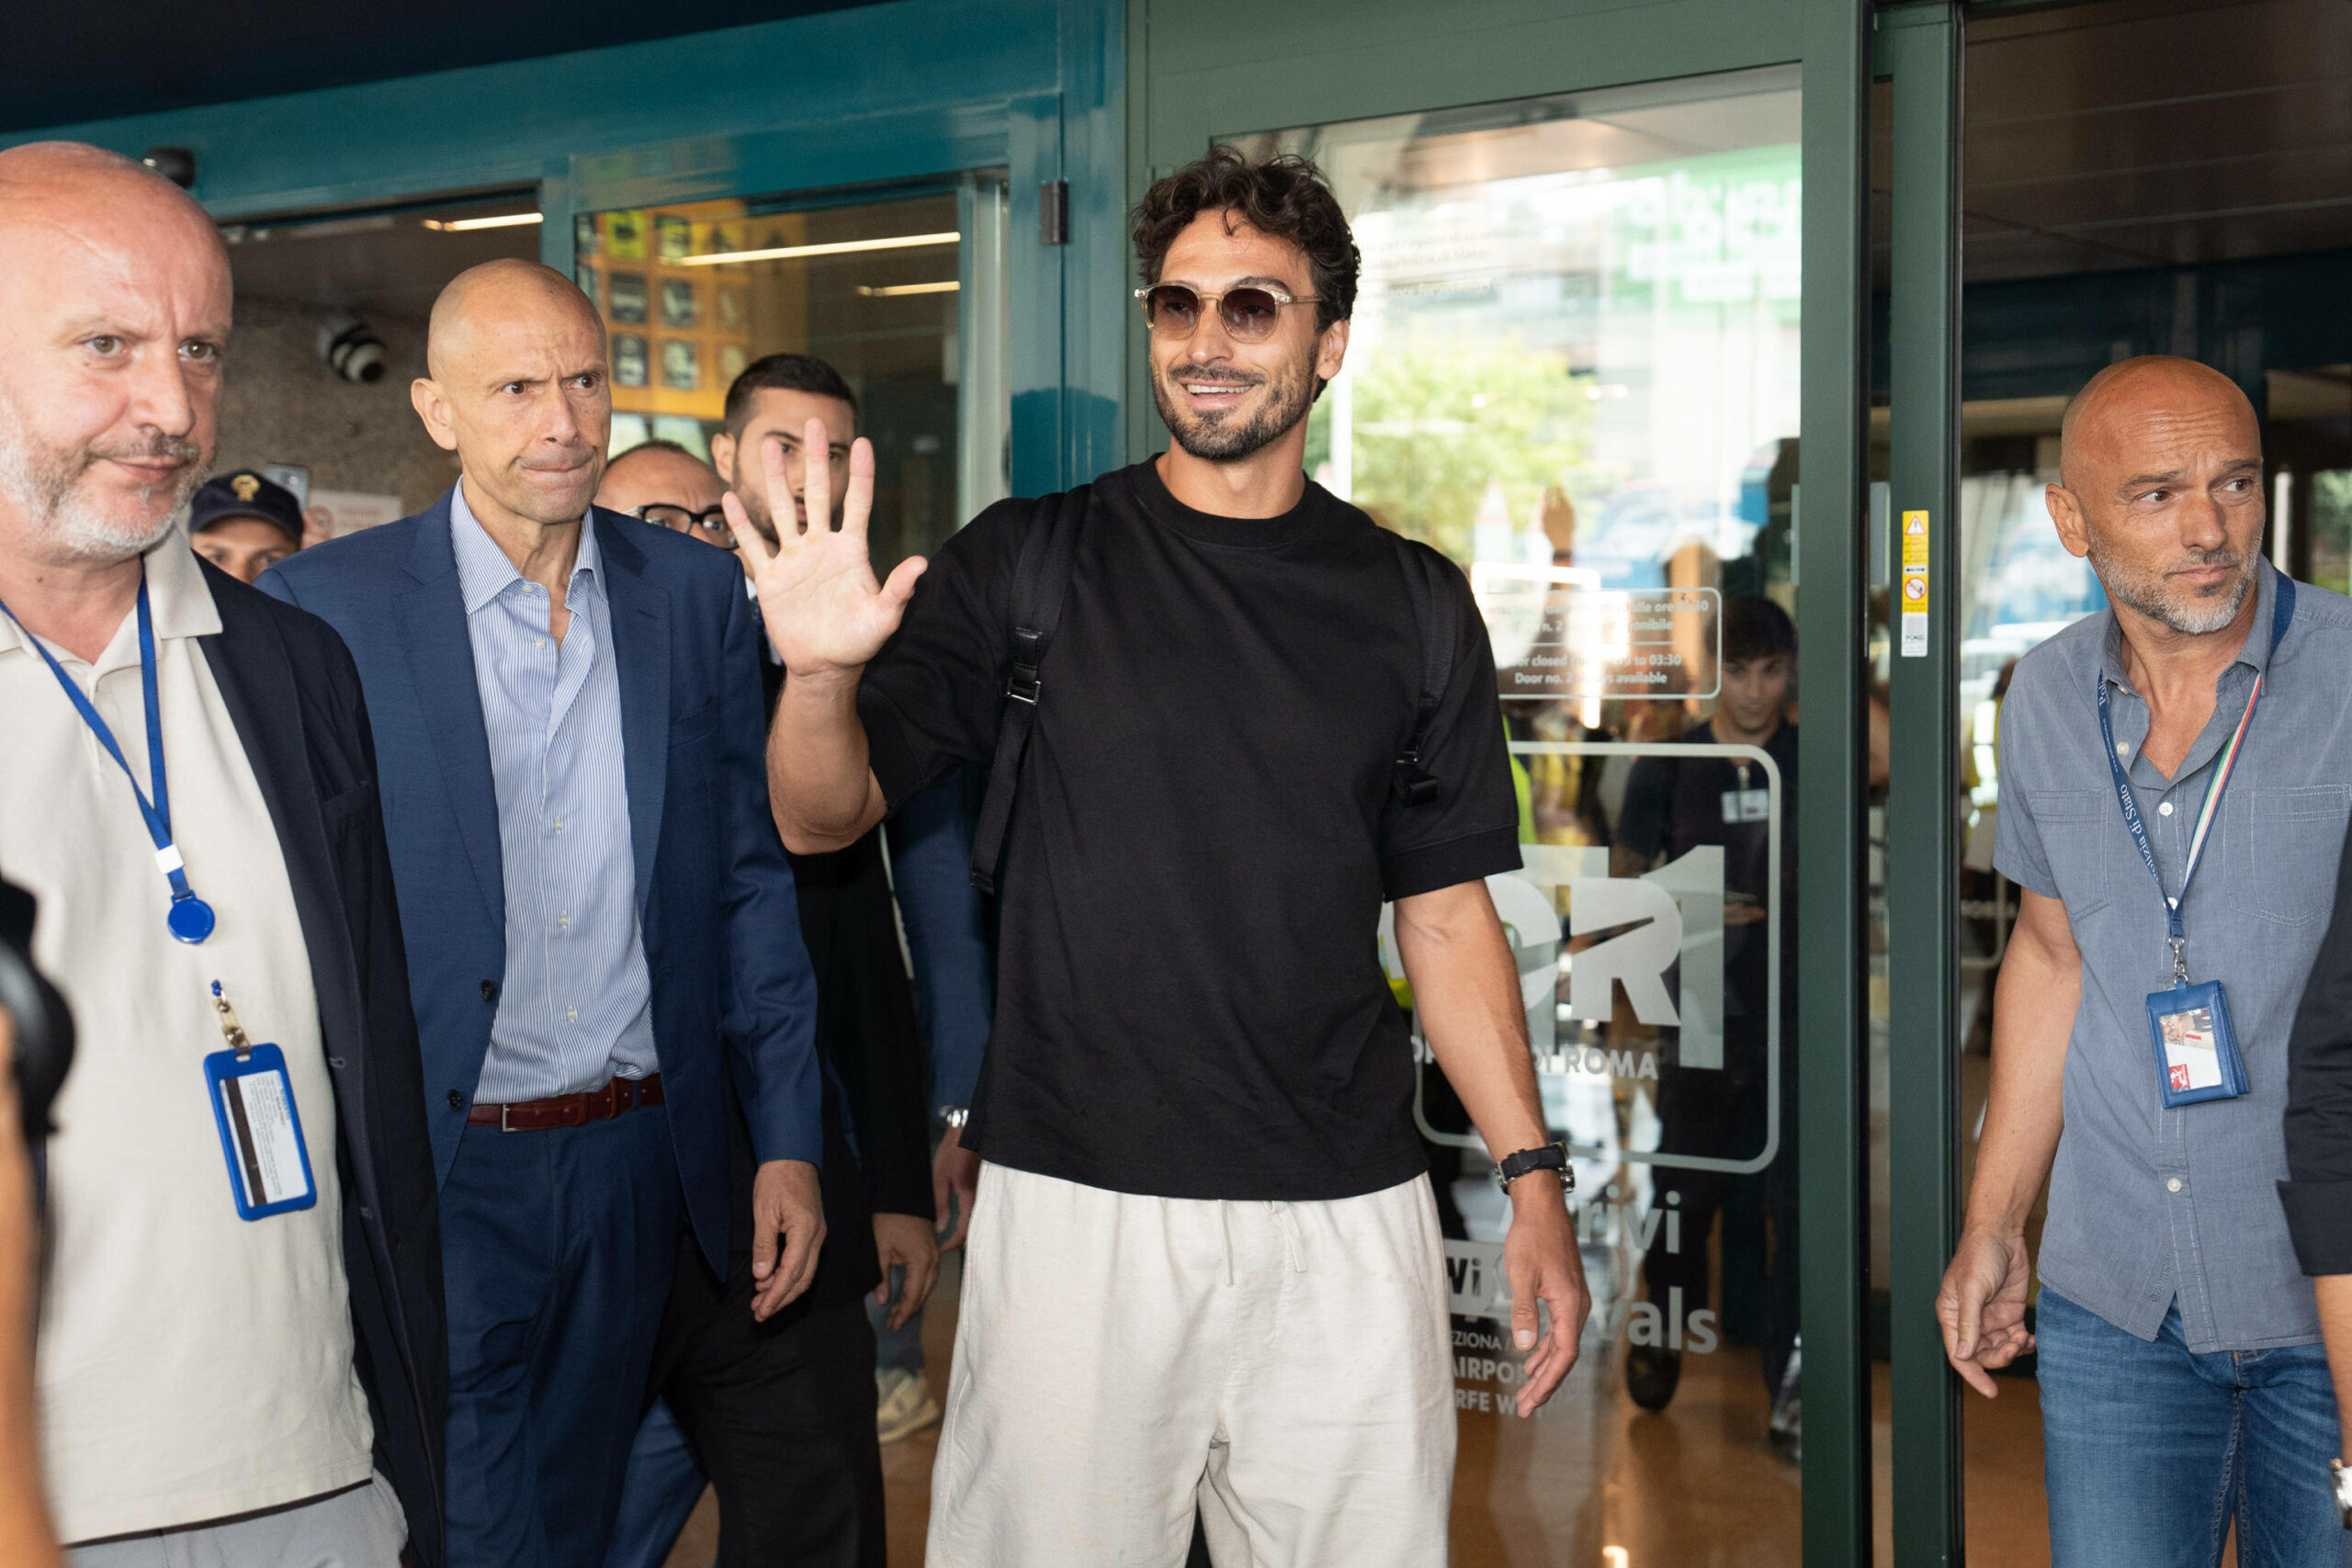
(189, 918)
(2195, 1044)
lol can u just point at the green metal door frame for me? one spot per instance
(1832, 563)
(1922, 47)
(1316, 62)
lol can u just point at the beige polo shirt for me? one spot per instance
(192, 1364)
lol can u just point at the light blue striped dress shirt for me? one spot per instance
(576, 1006)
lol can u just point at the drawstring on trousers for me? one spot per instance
(1293, 1241)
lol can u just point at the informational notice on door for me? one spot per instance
(1557, 637)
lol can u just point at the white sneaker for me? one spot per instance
(903, 1405)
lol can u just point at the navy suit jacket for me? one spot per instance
(714, 893)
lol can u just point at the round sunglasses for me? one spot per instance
(1249, 315)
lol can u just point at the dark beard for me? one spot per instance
(1211, 438)
(761, 523)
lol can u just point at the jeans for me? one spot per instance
(2151, 1451)
(895, 1350)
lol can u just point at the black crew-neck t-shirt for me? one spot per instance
(1190, 999)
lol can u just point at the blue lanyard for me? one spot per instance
(190, 918)
(2282, 610)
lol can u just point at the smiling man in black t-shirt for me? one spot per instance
(1205, 1267)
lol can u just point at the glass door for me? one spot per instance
(1574, 368)
(1607, 356)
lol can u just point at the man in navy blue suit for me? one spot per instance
(566, 707)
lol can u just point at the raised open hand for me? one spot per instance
(825, 613)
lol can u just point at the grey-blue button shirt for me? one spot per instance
(576, 1005)
(2149, 1205)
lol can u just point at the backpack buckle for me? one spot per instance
(1028, 654)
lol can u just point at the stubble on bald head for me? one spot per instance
(2139, 403)
(87, 194)
(502, 290)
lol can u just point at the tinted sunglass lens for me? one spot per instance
(1250, 313)
(1174, 311)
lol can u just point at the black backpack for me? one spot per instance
(1040, 581)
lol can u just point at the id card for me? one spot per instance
(1748, 806)
(2197, 1049)
(261, 1132)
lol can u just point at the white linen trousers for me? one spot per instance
(1120, 1360)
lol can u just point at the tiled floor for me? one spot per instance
(1595, 1481)
(1697, 1486)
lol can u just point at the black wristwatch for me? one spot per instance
(1547, 1157)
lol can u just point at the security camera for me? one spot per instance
(176, 165)
(349, 348)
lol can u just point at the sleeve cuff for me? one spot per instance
(888, 750)
(1471, 858)
(2035, 881)
(2319, 1218)
(796, 1132)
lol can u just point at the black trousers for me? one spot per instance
(1703, 1113)
(781, 1414)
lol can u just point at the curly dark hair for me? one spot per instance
(1285, 196)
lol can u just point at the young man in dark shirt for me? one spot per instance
(1205, 1267)
(1675, 803)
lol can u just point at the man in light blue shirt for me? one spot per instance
(566, 705)
(577, 1006)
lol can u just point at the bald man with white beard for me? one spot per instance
(241, 1356)
(603, 928)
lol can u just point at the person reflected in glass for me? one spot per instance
(1676, 807)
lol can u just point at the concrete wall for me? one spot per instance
(280, 405)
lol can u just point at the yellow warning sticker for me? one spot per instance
(1914, 586)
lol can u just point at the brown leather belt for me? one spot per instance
(569, 1110)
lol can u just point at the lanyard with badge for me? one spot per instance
(253, 1097)
(2196, 1045)
(189, 918)
(1744, 804)
(261, 1130)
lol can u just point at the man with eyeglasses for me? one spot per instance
(781, 1415)
(660, 482)
(1204, 1271)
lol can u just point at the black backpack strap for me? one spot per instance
(1040, 579)
(1416, 785)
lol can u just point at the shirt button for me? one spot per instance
(538, 642)
(563, 921)
(2122, 748)
(2165, 809)
(559, 824)
(489, 990)
(572, 1015)
(2174, 1185)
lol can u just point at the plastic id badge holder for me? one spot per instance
(261, 1126)
(2196, 1044)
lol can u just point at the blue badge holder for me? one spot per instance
(2188, 999)
(221, 1067)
